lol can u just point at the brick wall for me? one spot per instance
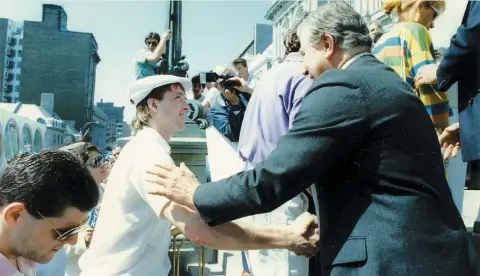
(58, 62)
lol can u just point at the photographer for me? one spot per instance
(146, 60)
(247, 80)
(228, 116)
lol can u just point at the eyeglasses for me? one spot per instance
(67, 234)
(153, 43)
(435, 12)
(96, 161)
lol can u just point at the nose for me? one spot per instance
(72, 240)
(185, 105)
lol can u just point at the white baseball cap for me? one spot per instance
(140, 89)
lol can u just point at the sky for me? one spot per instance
(214, 33)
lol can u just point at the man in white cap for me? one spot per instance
(133, 230)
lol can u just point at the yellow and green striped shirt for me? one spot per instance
(407, 47)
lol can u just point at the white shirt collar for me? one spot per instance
(150, 133)
(352, 59)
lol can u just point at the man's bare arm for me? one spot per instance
(157, 53)
(299, 238)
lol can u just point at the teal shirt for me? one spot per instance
(142, 67)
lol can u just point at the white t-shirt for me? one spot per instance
(214, 97)
(129, 236)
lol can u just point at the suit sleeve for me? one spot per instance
(330, 123)
(462, 45)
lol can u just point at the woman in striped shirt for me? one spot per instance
(408, 46)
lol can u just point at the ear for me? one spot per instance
(152, 104)
(12, 212)
(329, 45)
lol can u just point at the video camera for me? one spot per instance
(180, 69)
(223, 80)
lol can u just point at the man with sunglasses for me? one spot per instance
(116, 152)
(94, 161)
(146, 60)
(44, 200)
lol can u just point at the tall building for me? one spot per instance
(256, 53)
(11, 41)
(262, 38)
(115, 119)
(61, 62)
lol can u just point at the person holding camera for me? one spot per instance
(227, 117)
(146, 60)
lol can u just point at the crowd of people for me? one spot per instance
(344, 144)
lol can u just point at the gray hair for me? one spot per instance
(341, 21)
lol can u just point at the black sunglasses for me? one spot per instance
(153, 43)
(63, 235)
(96, 162)
(436, 13)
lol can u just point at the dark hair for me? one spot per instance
(196, 84)
(241, 61)
(153, 35)
(291, 42)
(86, 150)
(48, 182)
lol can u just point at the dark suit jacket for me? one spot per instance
(461, 63)
(367, 142)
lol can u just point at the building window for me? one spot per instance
(17, 77)
(19, 64)
(37, 141)
(19, 53)
(20, 41)
(11, 141)
(13, 41)
(17, 88)
(27, 139)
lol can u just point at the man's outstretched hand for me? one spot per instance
(450, 141)
(305, 235)
(175, 183)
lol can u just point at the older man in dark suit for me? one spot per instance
(364, 138)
